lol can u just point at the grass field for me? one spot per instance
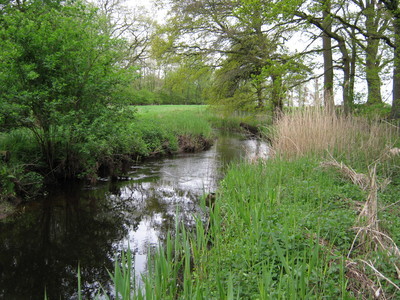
(162, 109)
(180, 119)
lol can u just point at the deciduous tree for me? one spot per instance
(59, 69)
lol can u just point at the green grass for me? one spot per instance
(267, 213)
(180, 119)
(167, 109)
(278, 230)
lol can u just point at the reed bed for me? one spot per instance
(318, 132)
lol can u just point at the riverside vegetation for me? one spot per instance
(104, 148)
(107, 147)
(318, 219)
(302, 225)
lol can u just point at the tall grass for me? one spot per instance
(318, 132)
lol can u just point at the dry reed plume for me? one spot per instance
(316, 131)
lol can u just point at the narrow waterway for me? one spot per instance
(43, 243)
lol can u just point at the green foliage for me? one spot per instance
(60, 70)
(372, 111)
(17, 182)
(182, 82)
(144, 97)
(277, 230)
(6, 181)
(17, 175)
(274, 209)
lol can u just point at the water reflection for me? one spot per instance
(41, 246)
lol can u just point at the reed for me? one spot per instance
(318, 132)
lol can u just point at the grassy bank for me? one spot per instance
(187, 126)
(301, 225)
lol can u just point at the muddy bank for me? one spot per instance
(190, 143)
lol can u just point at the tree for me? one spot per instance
(323, 24)
(375, 23)
(364, 23)
(239, 38)
(393, 8)
(328, 57)
(347, 27)
(59, 69)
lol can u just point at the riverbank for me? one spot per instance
(106, 218)
(103, 149)
(301, 225)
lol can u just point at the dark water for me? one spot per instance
(42, 244)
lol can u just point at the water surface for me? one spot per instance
(43, 243)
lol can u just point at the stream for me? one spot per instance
(42, 244)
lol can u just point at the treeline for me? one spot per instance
(185, 82)
(70, 71)
(265, 51)
(240, 55)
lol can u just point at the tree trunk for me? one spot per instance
(372, 59)
(277, 95)
(260, 100)
(353, 63)
(328, 60)
(372, 73)
(395, 112)
(347, 101)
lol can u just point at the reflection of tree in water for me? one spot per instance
(42, 247)
(158, 204)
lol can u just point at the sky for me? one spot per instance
(156, 14)
(146, 3)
